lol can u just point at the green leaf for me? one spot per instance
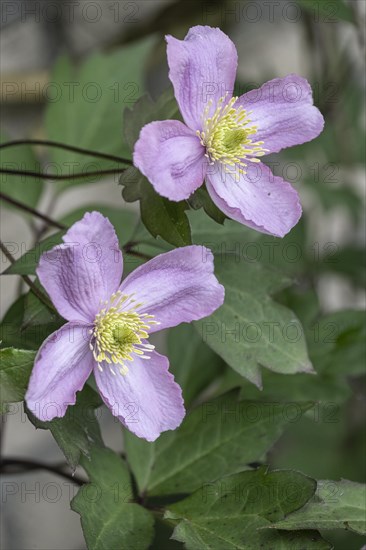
(78, 431)
(15, 369)
(217, 438)
(236, 512)
(250, 329)
(108, 518)
(88, 111)
(159, 215)
(123, 220)
(320, 388)
(28, 322)
(329, 384)
(201, 199)
(145, 110)
(162, 539)
(21, 188)
(192, 362)
(336, 505)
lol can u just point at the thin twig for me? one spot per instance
(18, 466)
(56, 144)
(27, 280)
(32, 211)
(40, 175)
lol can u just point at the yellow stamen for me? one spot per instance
(119, 331)
(226, 135)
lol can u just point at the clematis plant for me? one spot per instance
(224, 137)
(109, 324)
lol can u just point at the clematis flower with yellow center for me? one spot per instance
(109, 324)
(224, 137)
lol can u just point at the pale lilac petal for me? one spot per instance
(172, 158)
(202, 67)
(146, 400)
(85, 270)
(258, 199)
(284, 113)
(61, 368)
(176, 287)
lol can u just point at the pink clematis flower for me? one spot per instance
(224, 137)
(109, 324)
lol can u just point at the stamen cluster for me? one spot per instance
(226, 135)
(119, 331)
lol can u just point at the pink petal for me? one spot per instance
(176, 287)
(284, 112)
(172, 158)
(85, 270)
(202, 67)
(258, 199)
(61, 368)
(146, 400)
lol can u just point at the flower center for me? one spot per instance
(119, 331)
(227, 135)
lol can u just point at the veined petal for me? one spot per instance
(258, 199)
(172, 158)
(176, 287)
(61, 368)
(201, 67)
(146, 400)
(85, 270)
(284, 113)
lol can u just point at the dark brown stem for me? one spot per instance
(58, 145)
(32, 211)
(61, 177)
(27, 280)
(18, 466)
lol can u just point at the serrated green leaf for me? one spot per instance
(250, 329)
(192, 362)
(236, 512)
(22, 188)
(78, 431)
(108, 518)
(159, 215)
(15, 369)
(217, 438)
(336, 505)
